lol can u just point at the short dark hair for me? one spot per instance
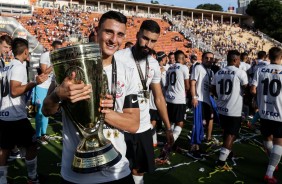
(205, 53)
(160, 56)
(7, 39)
(112, 15)
(128, 44)
(232, 54)
(19, 45)
(150, 25)
(261, 54)
(90, 37)
(55, 43)
(274, 53)
(177, 53)
(171, 53)
(244, 54)
(152, 52)
(193, 57)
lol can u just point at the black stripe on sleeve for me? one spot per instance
(131, 101)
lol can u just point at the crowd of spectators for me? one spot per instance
(64, 23)
(221, 37)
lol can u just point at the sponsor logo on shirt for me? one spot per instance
(269, 113)
(223, 109)
(226, 72)
(4, 113)
(174, 67)
(272, 71)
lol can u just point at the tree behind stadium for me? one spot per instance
(208, 6)
(267, 17)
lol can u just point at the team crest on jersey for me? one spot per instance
(150, 74)
(119, 91)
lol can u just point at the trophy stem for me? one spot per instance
(101, 136)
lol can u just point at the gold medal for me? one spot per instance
(109, 134)
(146, 95)
(116, 133)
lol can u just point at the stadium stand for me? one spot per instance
(192, 35)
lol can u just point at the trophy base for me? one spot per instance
(95, 160)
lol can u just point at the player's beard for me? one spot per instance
(143, 51)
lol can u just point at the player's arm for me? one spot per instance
(45, 69)
(253, 90)
(254, 83)
(67, 91)
(161, 106)
(129, 120)
(193, 93)
(193, 81)
(187, 86)
(186, 79)
(244, 87)
(51, 102)
(17, 89)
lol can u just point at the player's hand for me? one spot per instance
(107, 104)
(169, 137)
(73, 90)
(41, 78)
(194, 102)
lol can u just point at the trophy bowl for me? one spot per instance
(94, 152)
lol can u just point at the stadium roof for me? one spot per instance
(167, 7)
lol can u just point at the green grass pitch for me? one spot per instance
(249, 166)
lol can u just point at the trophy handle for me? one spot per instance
(101, 136)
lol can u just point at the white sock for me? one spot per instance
(176, 132)
(138, 179)
(224, 152)
(268, 145)
(274, 160)
(3, 174)
(154, 135)
(31, 166)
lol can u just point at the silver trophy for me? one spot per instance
(94, 152)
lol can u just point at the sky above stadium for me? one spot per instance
(194, 3)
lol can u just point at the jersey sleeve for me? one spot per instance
(131, 79)
(185, 72)
(255, 78)
(195, 72)
(157, 72)
(243, 78)
(18, 73)
(45, 59)
(163, 80)
(130, 100)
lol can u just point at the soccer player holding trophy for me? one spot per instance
(95, 116)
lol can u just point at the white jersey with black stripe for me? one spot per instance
(229, 82)
(175, 77)
(268, 81)
(154, 76)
